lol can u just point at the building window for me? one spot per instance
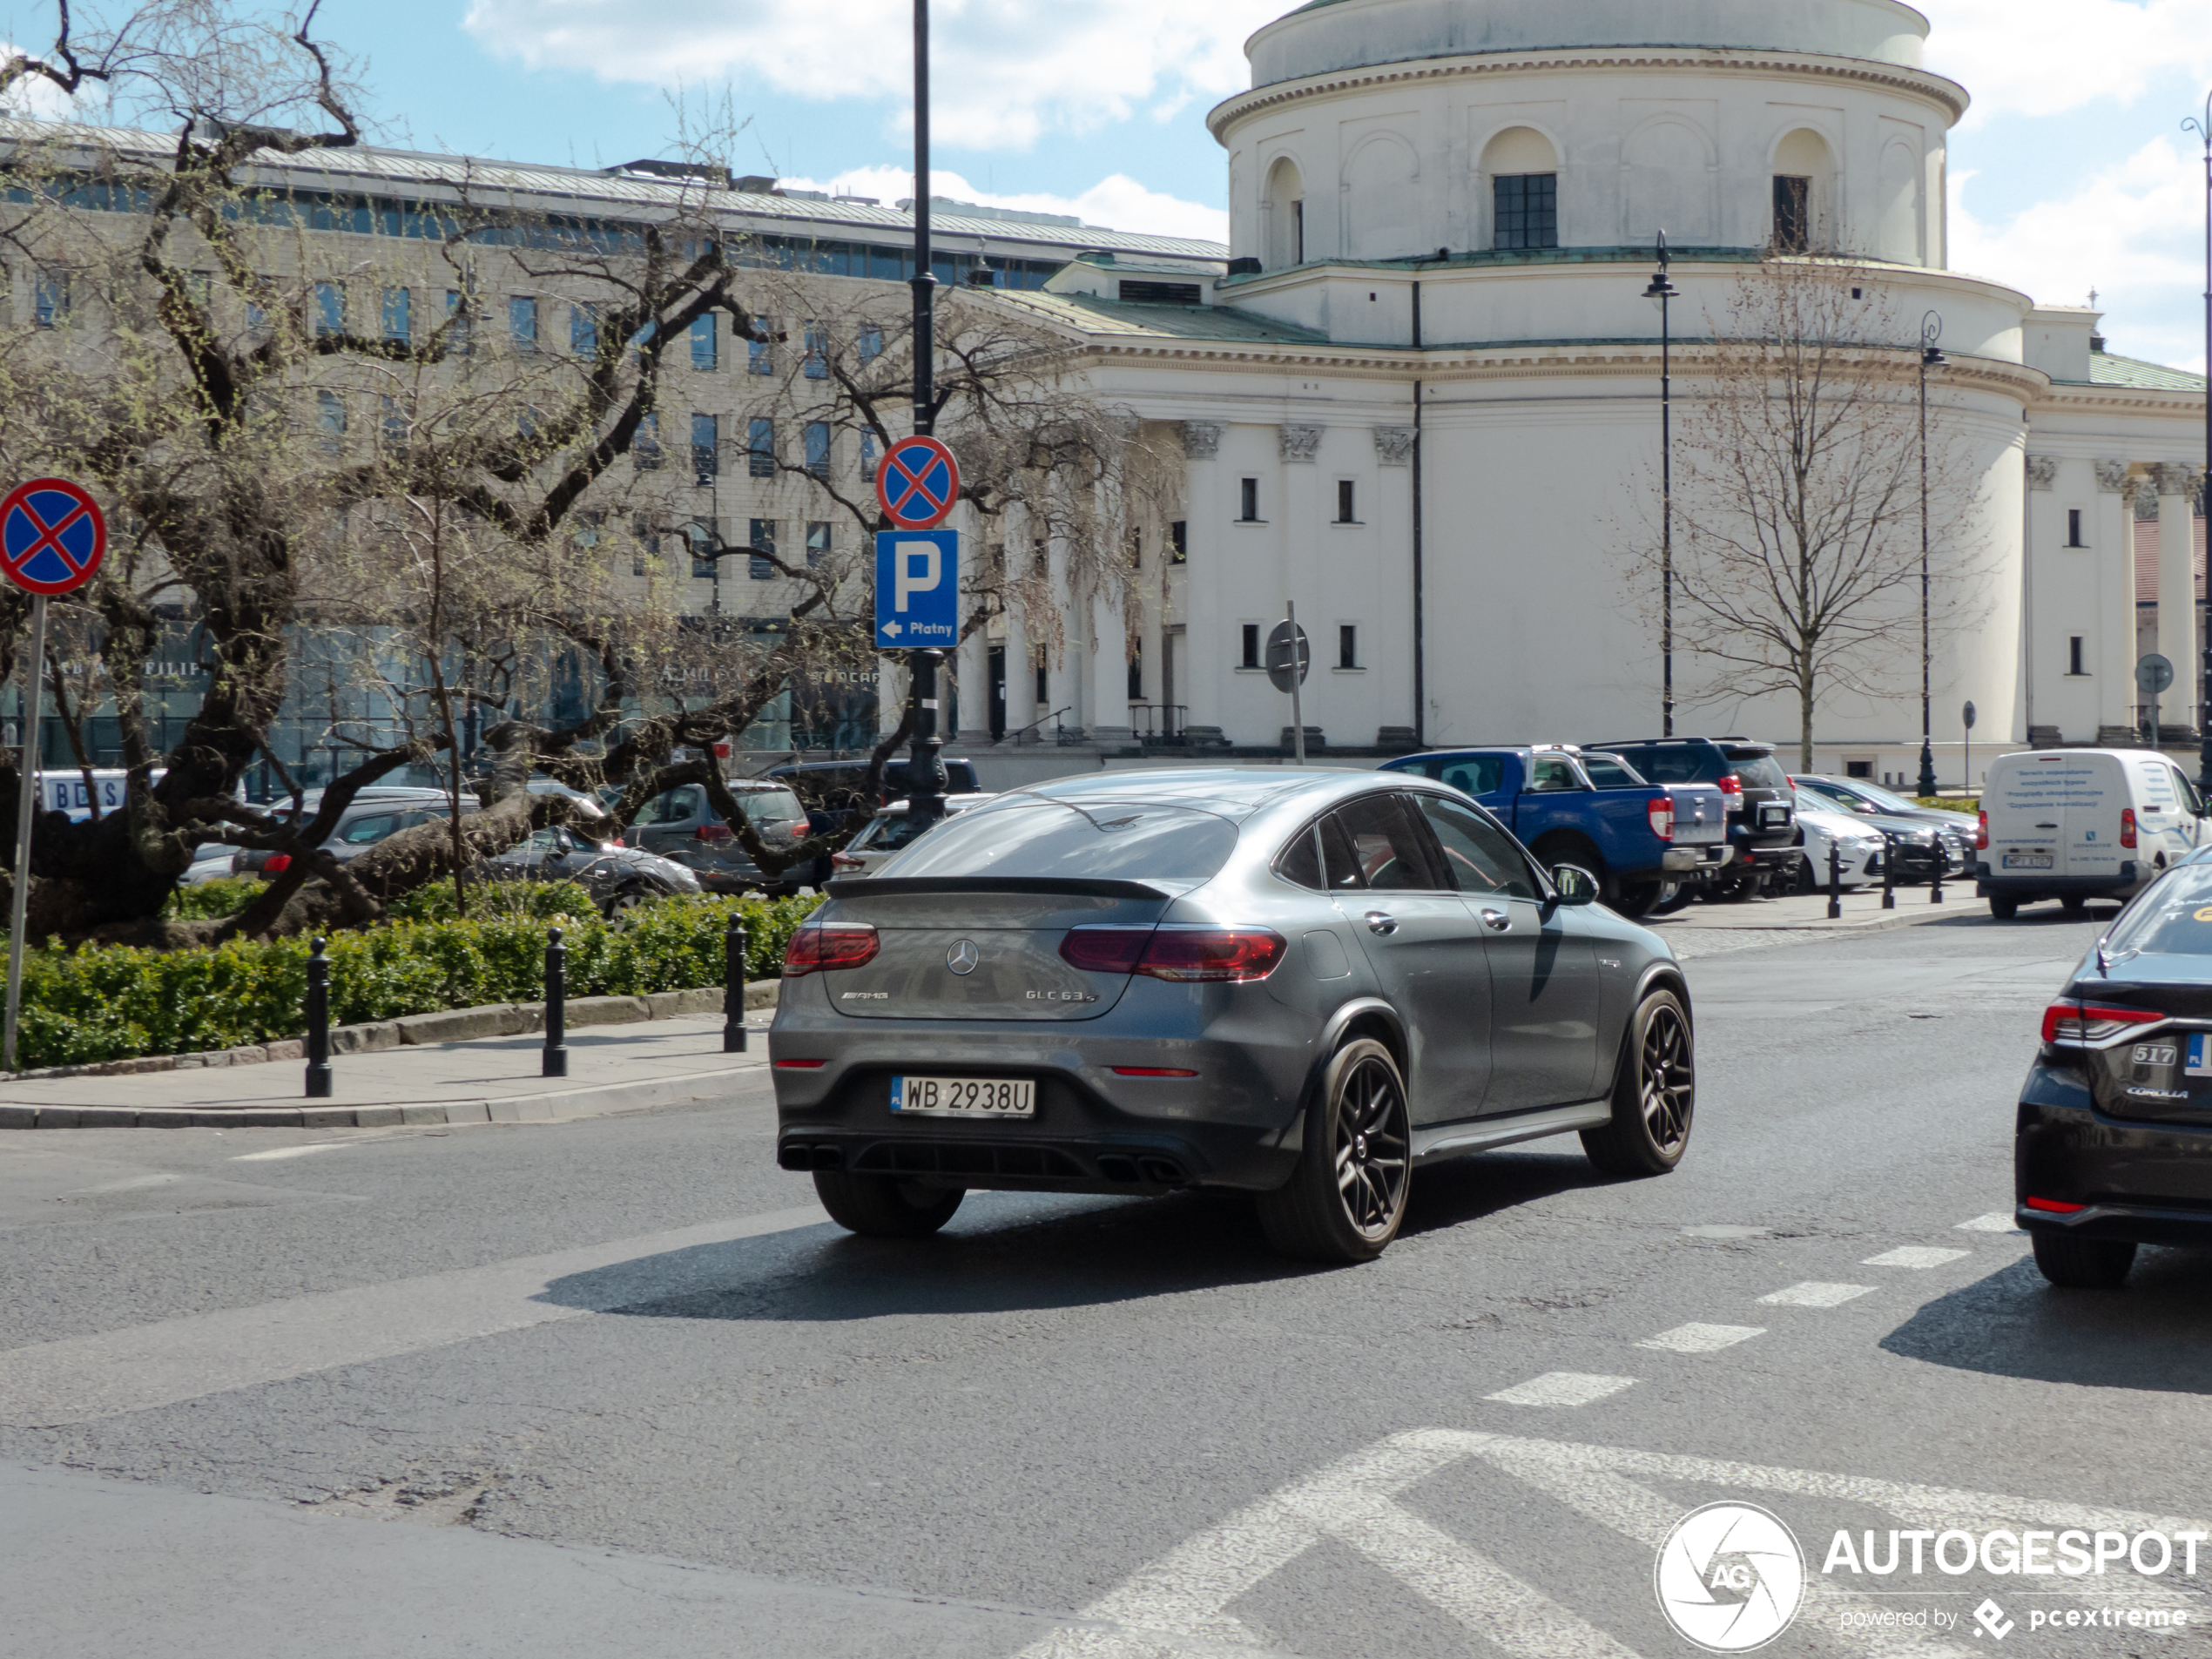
(1792, 214)
(706, 344)
(1525, 210)
(645, 447)
(645, 540)
(456, 323)
(871, 341)
(1136, 675)
(591, 523)
(1347, 499)
(760, 447)
(759, 354)
(1297, 232)
(584, 330)
(1178, 543)
(706, 447)
(330, 310)
(399, 317)
(762, 536)
(2074, 656)
(1251, 646)
(818, 449)
(700, 533)
(817, 543)
(2073, 528)
(521, 322)
(392, 424)
(1347, 645)
(330, 422)
(867, 456)
(817, 351)
(1248, 502)
(51, 302)
(1860, 769)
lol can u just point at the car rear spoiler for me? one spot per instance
(1067, 887)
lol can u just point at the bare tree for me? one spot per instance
(1797, 468)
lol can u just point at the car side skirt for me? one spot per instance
(1440, 1143)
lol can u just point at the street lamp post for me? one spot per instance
(1931, 331)
(1660, 292)
(2202, 128)
(926, 777)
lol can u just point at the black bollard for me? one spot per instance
(318, 1024)
(1889, 871)
(557, 1012)
(1935, 882)
(733, 950)
(1834, 881)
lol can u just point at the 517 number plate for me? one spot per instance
(964, 1097)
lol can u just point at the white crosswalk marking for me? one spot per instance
(1702, 1339)
(1997, 1221)
(1814, 1294)
(1914, 1256)
(1561, 1388)
(1177, 1606)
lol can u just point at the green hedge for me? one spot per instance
(112, 1003)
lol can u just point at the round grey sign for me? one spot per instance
(2155, 673)
(1279, 657)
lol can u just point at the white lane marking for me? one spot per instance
(1177, 1605)
(1814, 1294)
(276, 1152)
(1725, 1232)
(79, 1379)
(1702, 1339)
(1997, 1221)
(1915, 1256)
(1561, 1388)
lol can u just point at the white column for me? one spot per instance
(1300, 446)
(1020, 672)
(1108, 713)
(1206, 644)
(1392, 651)
(2115, 660)
(972, 678)
(2177, 595)
(1151, 594)
(1063, 670)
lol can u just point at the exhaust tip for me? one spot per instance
(1115, 1168)
(1161, 1172)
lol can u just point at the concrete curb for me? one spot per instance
(1881, 923)
(605, 1100)
(422, 1030)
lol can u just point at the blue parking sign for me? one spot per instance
(917, 589)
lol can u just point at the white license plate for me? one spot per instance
(964, 1097)
(2027, 861)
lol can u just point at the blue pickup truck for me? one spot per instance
(1643, 842)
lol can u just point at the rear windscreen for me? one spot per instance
(1611, 772)
(2173, 918)
(1698, 766)
(1027, 837)
(1760, 771)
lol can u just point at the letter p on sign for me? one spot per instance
(920, 570)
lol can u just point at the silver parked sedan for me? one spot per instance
(1299, 983)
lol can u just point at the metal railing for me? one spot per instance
(1159, 723)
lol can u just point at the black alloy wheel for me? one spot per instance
(1346, 1199)
(1655, 1093)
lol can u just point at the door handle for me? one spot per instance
(1379, 921)
(1497, 922)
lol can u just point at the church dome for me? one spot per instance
(1327, 36)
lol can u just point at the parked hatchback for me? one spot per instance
(891, 832)
(681, 824)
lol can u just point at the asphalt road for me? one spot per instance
(614, 1387)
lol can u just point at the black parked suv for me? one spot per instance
(1762, 807)
(832, 791)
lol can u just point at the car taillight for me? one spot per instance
(846, 861)
(2091, 1021)
(1661, 811)
(1187, 955)
(2128, 826)
(1730, 785)
(2054, 1206)
(832, 945)
(1151, 1071)
(712, 832)
(1981, 835)
(276, 864)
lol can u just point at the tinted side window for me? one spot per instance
(363, 832)
(1478, 775)
(1387, 844)
(1550, 774)
(1340, 859)
(1482, 859)
(1300, 862)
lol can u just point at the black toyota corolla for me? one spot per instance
(2113, 1147)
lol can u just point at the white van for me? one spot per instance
(2075, 824)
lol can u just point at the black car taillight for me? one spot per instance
(2069, 1021)
(1196, 954)
(1105, 950)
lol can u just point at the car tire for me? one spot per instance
(2075, 908)
(619, 903)
(2004, 909)
(2075, 1264)
(1685, 895)
(1655, 1093)
(1358, 1136)
(882, 1206)
(1639, 899)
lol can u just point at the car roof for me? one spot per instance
(1230, 791)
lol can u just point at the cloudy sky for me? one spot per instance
(2071, 173)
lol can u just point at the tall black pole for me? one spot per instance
(1663, 291)
(925, 768)
(1931, 331)
(2203, 129)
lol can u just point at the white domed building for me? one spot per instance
(1423, 401)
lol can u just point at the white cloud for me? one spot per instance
(2134, 232)
(1118, 203)
(2044, 57)
(39, 99)
(1003, 72)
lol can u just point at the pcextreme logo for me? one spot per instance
(1730, 1577)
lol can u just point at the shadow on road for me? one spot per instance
(2154, 1333)
(1470, 1189)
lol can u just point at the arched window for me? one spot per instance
(1283, 209)
(1523, 172)
(1803, 170)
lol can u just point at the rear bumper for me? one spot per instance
(1689, 860)
(2027, 886)
(2149, 1184)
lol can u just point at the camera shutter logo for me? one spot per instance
(1729, 1578)
(963, 956)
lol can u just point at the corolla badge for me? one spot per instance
(963, 956)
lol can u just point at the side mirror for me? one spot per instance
(1574, 885)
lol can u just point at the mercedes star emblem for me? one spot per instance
(963, 956)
